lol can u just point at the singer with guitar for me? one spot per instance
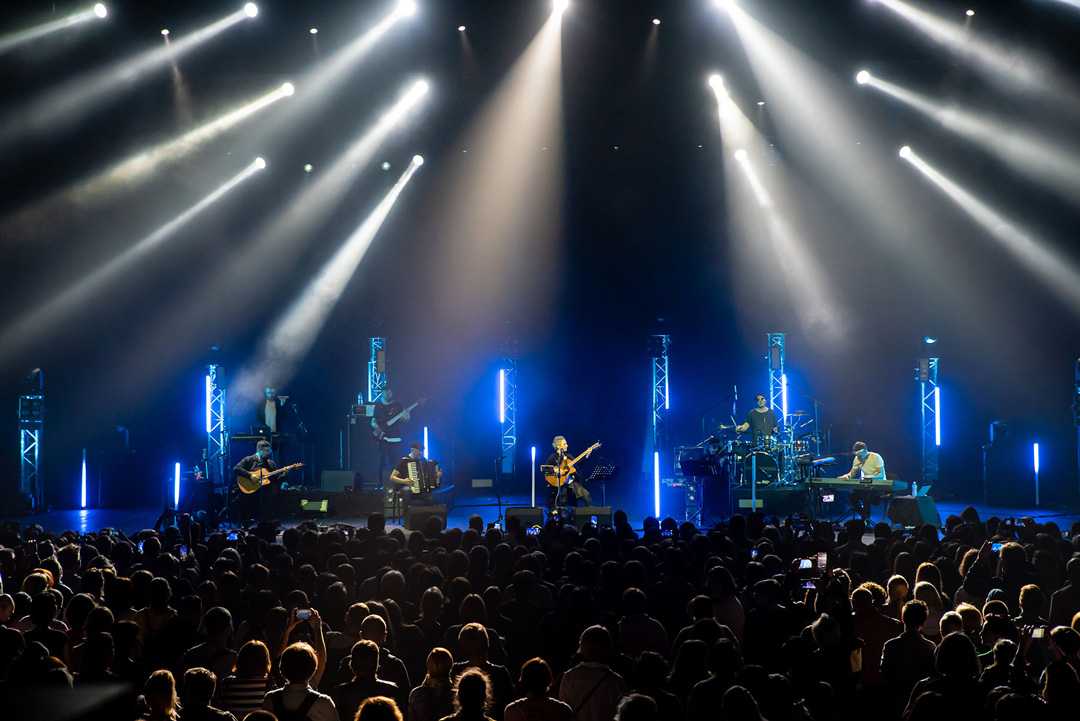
(560, 472)
(259, 495)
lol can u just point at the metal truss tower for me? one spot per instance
(217, 429)
(777, 378)
(508, 381)
(378, 373)
(661, 399)
(31, 424)
(926, 375)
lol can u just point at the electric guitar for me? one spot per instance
(260, 477)
(559, 475)
(380, 432)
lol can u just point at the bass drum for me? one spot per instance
(766, 466)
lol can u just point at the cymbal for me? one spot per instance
(798, 413)
(725, 428)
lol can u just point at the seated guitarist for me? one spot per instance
(261, 505)
(571, 488)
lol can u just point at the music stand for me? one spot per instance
(602, 472)
(547, 469)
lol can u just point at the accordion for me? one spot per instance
(423, 475)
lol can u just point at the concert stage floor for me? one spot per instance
(130, 521)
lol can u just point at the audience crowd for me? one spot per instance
(756, 618)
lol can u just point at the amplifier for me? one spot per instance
(338, 480)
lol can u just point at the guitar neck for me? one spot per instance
(584, 453)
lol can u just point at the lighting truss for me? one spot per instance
(31, 424)
(926, 375)
(217, 430)
(508, 380)
(378, 370)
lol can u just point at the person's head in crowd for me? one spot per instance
(650, 670)
(260, 715)
(472, 693)
(595, 645)
(373, 628)
(160, 593)
(160, 694)
(42, 610)
(98, 654)
(998, 627)
(431, 603)
(1075, 623)
(862, 600)
(929, 573)
(1003, 652)
(725, 661)
(438, 666)
(878, 595)
(199, 685)
(535, 677)
(364, 659)
(738, 704)
(253, 660)
(928, 594)
(972, 619)
(928, 706)
(474, 642)
(995, 607)
(956, 657)
(700, 607)
(217, 624)
(1066, 641)
(1061, 687)
(914, 615)
(897, 588)
(7, 608)
(950, 622)
(637, 707)
(378, 708)
(298, 663)
(1032, 601)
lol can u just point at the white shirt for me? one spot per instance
(271, 415)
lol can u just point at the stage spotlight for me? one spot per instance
(418, 160)
(407, 8)
(288, 89)
(251, 9)
(308, 167)
(656, 21)
(260, 163)
(313, 31)
(100, 10)
(461, 28)
(386, 165)
(929, 340)
(740, 155)
(970, 13)
(716, 82)
(905, 152)
(560, 6)
(164, 32)
(23, 37)
(862, 77)
(761, 103)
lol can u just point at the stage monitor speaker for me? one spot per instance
(585, 514)
(356, 503)
(338, 480)
(914, 511)
(528, 516)
(417, 516)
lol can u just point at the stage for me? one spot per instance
(130, 521)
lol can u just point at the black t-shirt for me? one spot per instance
(761, 424)
(250, 463)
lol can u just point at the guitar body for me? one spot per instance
(260, 477)
(567, 469)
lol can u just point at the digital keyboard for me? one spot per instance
(884, 484)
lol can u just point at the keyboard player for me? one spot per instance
(866, 465)
(407, 476)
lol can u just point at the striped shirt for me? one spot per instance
(242, 695)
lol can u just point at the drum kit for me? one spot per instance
(782, 459)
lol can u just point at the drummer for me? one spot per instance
(760, 421)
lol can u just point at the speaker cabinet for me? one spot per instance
(339, 480)
(600, 515)
(528, 516)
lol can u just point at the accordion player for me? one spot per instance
(416, 474)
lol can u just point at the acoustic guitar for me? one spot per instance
(261, 477)
(558, 476)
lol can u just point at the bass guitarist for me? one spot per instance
(571, 487)
(261, 504)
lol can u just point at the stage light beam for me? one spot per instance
(1052, 268)
(45, 316)
(23, 37)
(251, 9)
(68, 102)
(101, 11)
(293, 334)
